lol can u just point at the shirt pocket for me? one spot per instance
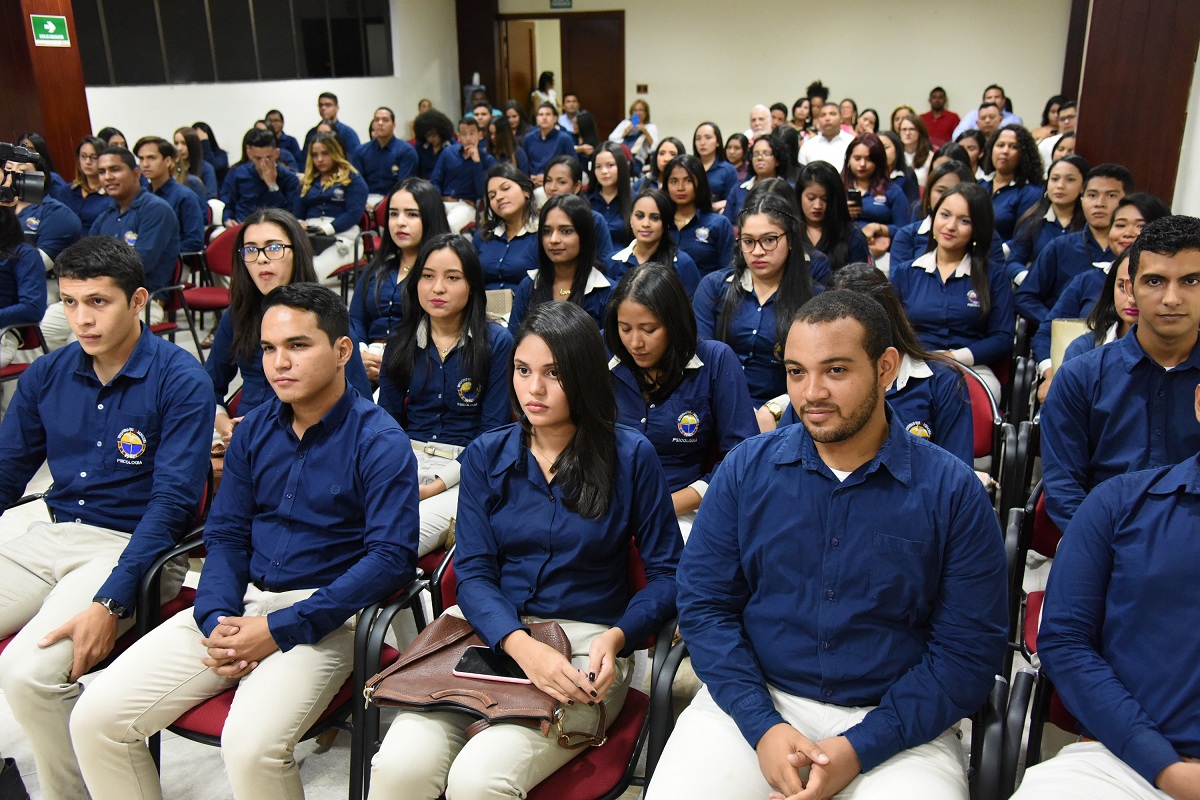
(903, 578)
(131, 441)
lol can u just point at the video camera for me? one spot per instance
(25, 186)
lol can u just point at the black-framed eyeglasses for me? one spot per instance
(274, 252)
(768, 242)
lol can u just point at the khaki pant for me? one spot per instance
(48, 575)
(438, 511)
(707, 757)
(427, 754)
(162, 676)
(1086, 771)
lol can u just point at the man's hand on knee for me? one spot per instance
(826, 780)
(782, 752)
(92, 632)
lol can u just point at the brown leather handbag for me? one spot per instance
(422, 679)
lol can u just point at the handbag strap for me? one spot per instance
(575, 740)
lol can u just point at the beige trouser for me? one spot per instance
(707, 757)
(57, 331)
(161, 676)
(48, 575)
(436, 512)
(8, 348)
(427, 754)
(1086, 771)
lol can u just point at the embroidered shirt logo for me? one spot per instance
(130, 238)
(972, 299)
(468, 392)
(688, 424)
(701, 234)
(919, 429)
(131, 446)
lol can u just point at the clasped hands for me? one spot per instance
(237, 645)
(783, 751)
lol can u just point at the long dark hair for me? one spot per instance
(401, 354)
(789, 168)
(960, 168)
(586, 468)
(666, 250)
(880, 179)
(245, 300)
(433, 223)
(508, 172)
(588, 134)
(194, 160)
(837, 227)
(694, 168)
(657, 287)
(624, 187)
(11, 235)
(524, 125)
(868, 280)
(579, 211)
(655, 173)
(795, 285)
(503, 142)
(1029, 165)
(212, 137)
(39, 144)
(979, 206)
(1104, 314)
(1029, 226)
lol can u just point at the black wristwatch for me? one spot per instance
(112, 606)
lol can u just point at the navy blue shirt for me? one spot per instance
(1118, 604)
(377, 307)
(222, 366)
(291, 145)
(912, 240)
(1075, 302)
(150, 227)
(22, 287)
(1061, 261)
(218, 159)
(244, 192)
(610, 215)
(86, 208)
(1024, 249)
(889, 208)
(751, 332)
(722, 176)
(624, 260)
(208, 176)
(594, 301)
(520, 551)
(345, 203)
(795, 580)
(52, 225)
(540, 151)
(335, 511)
(384, 167)
(1112, 411)
(427, 158)
(441, 403)
(130, 455)
(188, 211)
(506, 262)
(708, 239)
(948, 315)
(350, 140)
(707, 415)
(458, 177)
(1010, 203)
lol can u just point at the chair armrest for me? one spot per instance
(149, 605)
(987, 741)
(662, 707)
(1014, 728)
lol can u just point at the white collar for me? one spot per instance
(747, 281)
(1050, 215)
(530, 227)
(596, 280)
(926, 225)
(990, 176)
(694, 363)
(1111, 336)
(623, 255)
(910, 368)
(422, 336)
(928, 262)
(749, 184)
(1103, 265)
(896, 173)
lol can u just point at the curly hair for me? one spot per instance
(1029, 165)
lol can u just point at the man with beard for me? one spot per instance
(842, 592)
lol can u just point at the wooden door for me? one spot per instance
(593, 65)
(518, 52)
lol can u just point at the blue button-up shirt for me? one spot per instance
(507, 261)
(244, 192)
(148, 226)
(521, 551)
(624, 260)
(1075, 302)
(86, 208)
(751, 332)
(349, 137)
(377, 307)
(384, 167)
(722, 176)
(458, 177)
(708, 239)
(615, 225)
(594, 301)
(291, 145)
(441, 402)
(130, 455)
(1111, 411)
(345, 203)
(222, 366)
(707, 415)
(794, 580)
(540, 151)
(22, 287)
(335, 511)
(889, 208)
(912, 240)
(1114, 626)
(1010, 203)
(188, 211)
(1024, 249)
(1061, 261)
(52, 225)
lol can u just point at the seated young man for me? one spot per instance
(842, 592)
(1127, 405)
(156, 160)
(1069, 255)
(125, 420)
(260, 182)
(1114, 639)
(316, 517)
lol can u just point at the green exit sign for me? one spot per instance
(49, 31)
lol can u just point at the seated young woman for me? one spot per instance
(827, 222)
(737, 153)
(917, 150)
(503, 147)
(960, 305)
(913, 239)
(1013, 170)
(928, 395)
(652, 222)
(708, 146)
(876, 204)
(443, 375)
(974, 142)
(521, 559)
(818, 265)
(505, 240)
(767, 157)
(687, 396)
(270, 249)
(1058, 213)
(564, 175)
(636, 132)
(1113, 316)
(700, 232)
(415, 212)
(610, 191)
(333, 197)
(902, 175)
(567, 268)
(750, 305)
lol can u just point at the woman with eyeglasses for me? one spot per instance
(85, 196)
(750, 305)
(270, 249)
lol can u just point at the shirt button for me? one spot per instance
(276, 563)
(828, 692)
(78, 520)
(99, 444)
(1158, 431)
(289, 497)
(754, 331)
(828, 646)
(835, 542)
(80, 502)
(439, 397)
(1161, 393)
(83, 474)
(101, 405)
(643, 420)
(830, 594)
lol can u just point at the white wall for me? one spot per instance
(1187, 180)
(547, 34)
(700, 57)
(425, 61)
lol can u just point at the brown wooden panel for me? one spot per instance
(1073, 59)
(518, 48)
(478, 45)
(1136, 83)
(593, 64)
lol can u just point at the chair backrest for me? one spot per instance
(1045, 535)
(380, 215)
(31, 337)
(173, 300)
(219, 253)
(985, 413)
(233, 403)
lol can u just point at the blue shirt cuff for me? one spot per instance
(755, 715)
(873, 741)
(1148, 752)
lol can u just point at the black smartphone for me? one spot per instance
(486, 664)
(854, 197)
